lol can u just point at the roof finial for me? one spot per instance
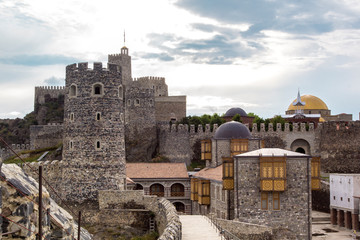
(124, 37)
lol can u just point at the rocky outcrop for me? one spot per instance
(20, 211)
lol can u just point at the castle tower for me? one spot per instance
(124, 60)
(93, 143)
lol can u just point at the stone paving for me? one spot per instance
(196, 227)
(322, 229)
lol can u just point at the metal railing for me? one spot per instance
(223, 233)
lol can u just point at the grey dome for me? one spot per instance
(233, 111)
(232, 130)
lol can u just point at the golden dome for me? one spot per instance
(321, 119)
(311, 102)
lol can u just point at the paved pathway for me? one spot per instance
(196, 227)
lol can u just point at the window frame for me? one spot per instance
(238, 146)
(206, 149)
(276, 196)
(264, 196)
(273, 173)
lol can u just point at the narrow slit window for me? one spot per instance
(71, 145)
(98, 116)
(71, 116)
(98, 145)
(121, 94)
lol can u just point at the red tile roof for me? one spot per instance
(156, 170)
(210, 173)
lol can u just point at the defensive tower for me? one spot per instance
(94, 147)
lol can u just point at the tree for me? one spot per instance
(237, 118)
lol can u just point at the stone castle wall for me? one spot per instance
(6, 152)
(52, 91)
(156, 83)
(42, 136)
(93, 142)
(170, 108)
(140, 124)
(339, 147)
(181, 143)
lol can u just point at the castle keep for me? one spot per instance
(93, 138)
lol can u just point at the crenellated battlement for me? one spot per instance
(295, 127)
(97, 66)
(175, 128)
(53, 91)
(182, 128)
(149, 78)
(55, 88)
(6, 152)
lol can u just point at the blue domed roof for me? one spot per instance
(232, 130)
(233, 111)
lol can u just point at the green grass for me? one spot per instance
(33, 154)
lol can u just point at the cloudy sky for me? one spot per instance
(252, 54)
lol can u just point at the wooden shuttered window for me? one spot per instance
(204, 192)
(206, 149)
(273, 173)
(264, 201)
(276, 201)
(194, 189)
(262, 143)
(315, 173)
(238, 146)
(228, 173)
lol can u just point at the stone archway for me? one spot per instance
(180, 207)
(301, 146)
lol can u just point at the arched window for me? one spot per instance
(157, 189)
(137, 102)
(177, 190)
(98, 89)
(129, 102)
(71, 145)
(98, 116)
(98, 145)
(73, 90)
(121, 93)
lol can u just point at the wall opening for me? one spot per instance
(138, 187)
(300, 150)
(73, 91)
(98, 116)
(177, 190)
(121, 93)
(98, 145)
(180, 207)
(301, 146)
(157, 189)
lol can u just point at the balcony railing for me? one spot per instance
(159, 194)
(177, 194)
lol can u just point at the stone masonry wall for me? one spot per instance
(42, 136)
(246, 231)
(178, 142)
(170, 108)
(167, 220)
(140, 124)
(339, 146)
(53, 91)
(93, 147)
(295, 201)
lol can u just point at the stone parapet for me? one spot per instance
(246, 230)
